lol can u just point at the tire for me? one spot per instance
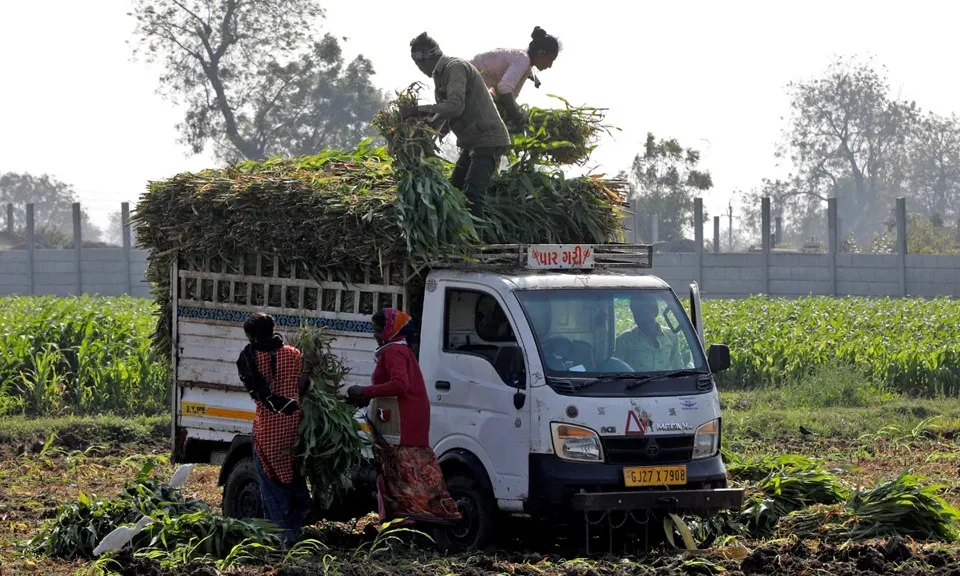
(477, 529)
(241, 492)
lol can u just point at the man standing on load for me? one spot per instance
(464, 102)
(272, 372)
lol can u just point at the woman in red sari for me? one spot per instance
(410, 483)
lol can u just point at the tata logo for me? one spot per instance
(608, 430)
(672, 427)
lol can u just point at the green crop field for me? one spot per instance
(79, 356)
(906, 346)
(87, 356)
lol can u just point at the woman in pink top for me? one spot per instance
(505, 70)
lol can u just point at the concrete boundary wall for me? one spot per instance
(120, 270)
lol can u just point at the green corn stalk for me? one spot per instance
(330, 446)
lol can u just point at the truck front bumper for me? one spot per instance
(560, 486)
(682, 500)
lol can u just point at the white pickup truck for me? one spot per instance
(562, 380)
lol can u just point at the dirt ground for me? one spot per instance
(35, 478)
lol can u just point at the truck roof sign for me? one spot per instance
(560, 256)
(551, 257)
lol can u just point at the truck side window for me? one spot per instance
(477, 325)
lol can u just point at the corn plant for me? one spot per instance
(904, 345)
(83, 355)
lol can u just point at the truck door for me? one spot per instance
(472, 382)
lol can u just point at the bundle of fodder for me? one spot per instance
(329, 444)
(777, 486)
(792, 494)
(905, 506)
(340, 212)
(565, 135)
(333, 212)
(531, 201)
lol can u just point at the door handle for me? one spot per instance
(442, 385)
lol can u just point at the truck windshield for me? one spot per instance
(593, 334)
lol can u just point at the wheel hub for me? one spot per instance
(248, 501)
(468, 512)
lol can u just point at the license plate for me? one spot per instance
(655, 476)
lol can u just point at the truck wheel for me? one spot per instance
(241, 492)
(476, 530)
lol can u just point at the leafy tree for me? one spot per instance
(933, 170)
(664, 180)
(254, 78)
(802, 212)
(53, 206)
(847, 139)
(925, 235)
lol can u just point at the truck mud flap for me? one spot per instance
(665, 500)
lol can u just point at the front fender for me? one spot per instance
(467, 461)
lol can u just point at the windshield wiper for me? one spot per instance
(641, 380)
(610, 378)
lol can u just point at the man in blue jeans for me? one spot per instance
(271, 372)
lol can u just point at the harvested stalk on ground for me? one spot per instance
(904, 506)
(78, 527)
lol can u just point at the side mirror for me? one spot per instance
(519, 399)
(718, 356)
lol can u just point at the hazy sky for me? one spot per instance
(712, 74)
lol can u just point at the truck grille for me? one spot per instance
(647, 449)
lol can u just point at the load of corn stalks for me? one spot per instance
(340, 212)
(329, 444)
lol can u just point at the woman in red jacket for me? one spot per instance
(410, 483)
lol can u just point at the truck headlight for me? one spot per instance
(576, 443)
(706, 441)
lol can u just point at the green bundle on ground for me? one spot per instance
(792, 494)
(204, 536)
(329, 443)
(904, 506)
(78, 527)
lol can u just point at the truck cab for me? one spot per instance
(562, 381)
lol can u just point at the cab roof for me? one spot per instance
(547, 280)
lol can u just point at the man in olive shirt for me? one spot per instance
(463, 102)
(649, 347)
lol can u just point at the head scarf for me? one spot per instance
(425, 50)
(395, 328)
